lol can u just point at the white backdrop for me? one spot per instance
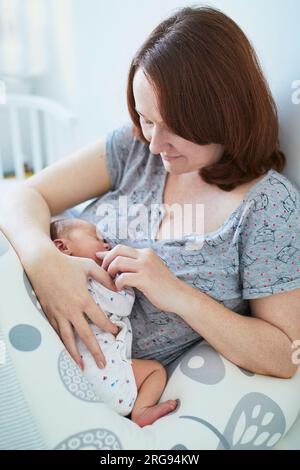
(88, 47)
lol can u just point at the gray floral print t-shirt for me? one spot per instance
(255, 253)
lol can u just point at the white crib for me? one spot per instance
(51, 133)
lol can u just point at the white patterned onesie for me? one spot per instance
(115, 384)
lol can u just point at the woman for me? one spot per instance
(197, 95)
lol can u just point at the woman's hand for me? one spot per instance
(144, 269)
(60, 283)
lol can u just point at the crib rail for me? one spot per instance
(44, 117)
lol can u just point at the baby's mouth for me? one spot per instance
(98, 261)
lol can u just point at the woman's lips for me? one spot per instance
(169, 159)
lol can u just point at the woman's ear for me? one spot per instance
(62, 245)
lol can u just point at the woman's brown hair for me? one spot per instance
(210, 89)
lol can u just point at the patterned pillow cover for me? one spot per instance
(43, 389)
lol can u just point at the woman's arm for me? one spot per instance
(26, 210)
(261, 343)
(25, 214)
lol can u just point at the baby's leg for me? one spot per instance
(151, 378)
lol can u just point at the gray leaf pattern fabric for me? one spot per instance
(93, 439)
(257, 422)
(73, 379)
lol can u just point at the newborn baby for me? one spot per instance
(126, 385)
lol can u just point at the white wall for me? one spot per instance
(90, 45)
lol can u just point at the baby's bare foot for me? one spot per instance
(149, 414)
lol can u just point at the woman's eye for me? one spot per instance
(148, 123)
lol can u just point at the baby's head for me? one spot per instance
(76, 237)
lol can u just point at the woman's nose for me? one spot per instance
(158, 142)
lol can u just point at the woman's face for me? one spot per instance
(178, 155)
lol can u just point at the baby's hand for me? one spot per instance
(119, 329)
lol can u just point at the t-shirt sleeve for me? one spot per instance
(117, 149)
(269, 241)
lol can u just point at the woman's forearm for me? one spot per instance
(249, 342)
(25, 221)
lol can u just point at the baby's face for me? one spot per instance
(84, 241)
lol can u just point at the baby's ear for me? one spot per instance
(62, 246)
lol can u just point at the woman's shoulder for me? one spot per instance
(124, 146)
(125, 154)
(269, 237)
(123, 138)
(271, 211)
(274, 195)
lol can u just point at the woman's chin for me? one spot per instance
(174, 168)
